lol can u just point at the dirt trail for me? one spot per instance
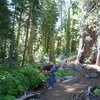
(64, 91)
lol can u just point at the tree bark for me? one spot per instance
(3, 43)
(12, 44)
(68, 33)
(98, 57)
(26, 40)
(52, 50)
(18, 35)
(81, 47)
(30, 44)
(31, 38)
(85, 46)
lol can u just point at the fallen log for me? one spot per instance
(28, 96)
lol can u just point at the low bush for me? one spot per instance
(8, 97)
(62, 73)
(16, 81)
(97, 91)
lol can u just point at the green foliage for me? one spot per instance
(98, 85)
(97, 91)
(14, 82)
(36, 65)
(4, 20)
(61, 73)
(8, 97)
(74, 53)
(49, 18)
(58, 60)
(36, 78)
(30, 59)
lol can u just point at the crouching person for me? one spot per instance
(49, 69)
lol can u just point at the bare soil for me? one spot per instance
(65, 91)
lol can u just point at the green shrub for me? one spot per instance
(36, 78)
(15, 82)
(61, 73)
(97, 91)
(98, 85)
(73, 54)
(30, 59)
(8, 97)
(71, 73)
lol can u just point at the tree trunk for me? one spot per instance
(4, 49)
(52, 50)
(45, 42)
(85, 44)
(18, 36)
(12, 44)
(11, 53)
(73, 41)
(81, 47)
(31, 38)
(68, 33)
(61, 8)
(30, 45)
(58, 48)
(26, 40)
(3, 43)
(27, 33)
(98, 57)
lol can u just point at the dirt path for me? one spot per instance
(64, 91)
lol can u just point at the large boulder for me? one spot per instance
(78, 66)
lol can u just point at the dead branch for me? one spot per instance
(31, 95)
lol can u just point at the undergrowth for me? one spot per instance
(14, 82)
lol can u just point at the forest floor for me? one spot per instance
(65, 91)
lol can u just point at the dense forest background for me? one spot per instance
(32, 29)
(36, 32)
